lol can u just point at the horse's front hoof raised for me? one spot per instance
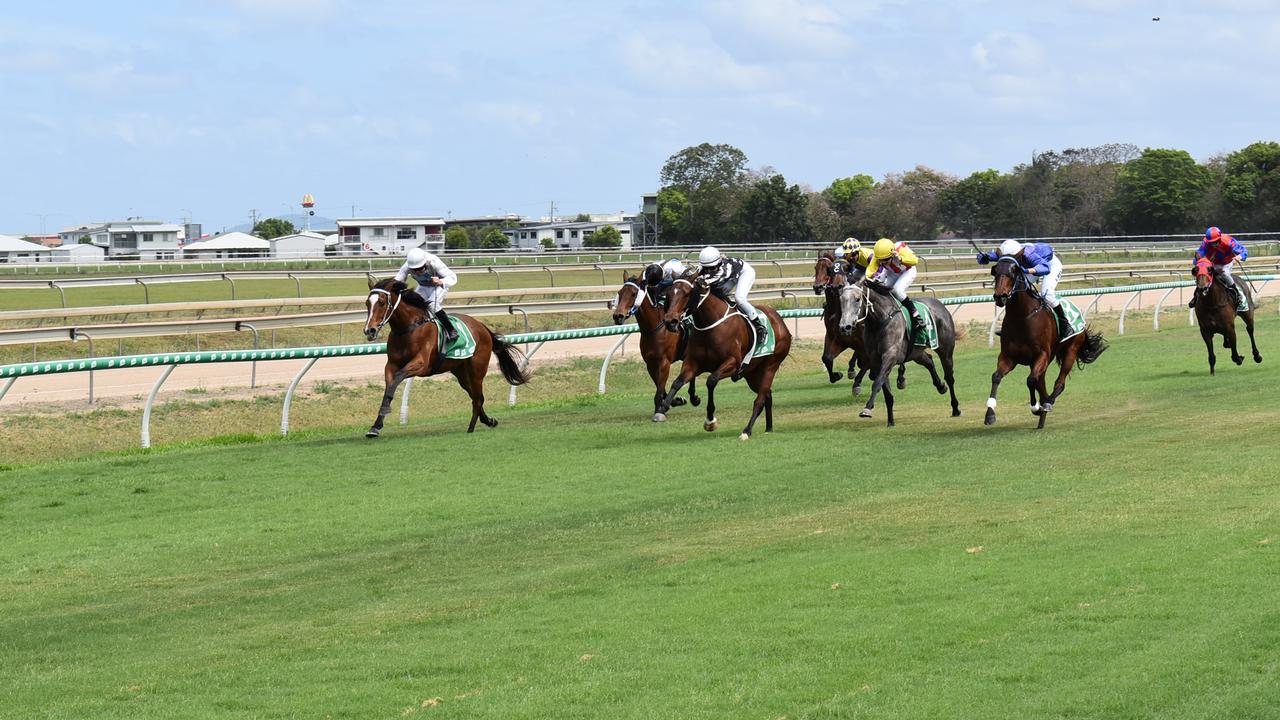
(659, 417)
(1046, 408)
(902, 383)
(991, 417)
(677, 402)
(942, 389)
(835, 377)
(1238, 360)
(864, 413)
(491, 422)
(695, 400)
(373, 433)
(711, 425)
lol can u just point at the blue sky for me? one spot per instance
(215, 107)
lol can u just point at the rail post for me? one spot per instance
(795, 303)
(404, 401)
(776, 265)
(7, 385)
(991, 334)
(512, 310)
(233, 284)
(146, 291)
(1155, 323)
(511, 396)
(1125, 309)
(288, 395)
(552, 274)
(298, 282)
(151, 400)
(604, 367)
(497, 279)
(253, 371)
(75, 336)
(61, 293)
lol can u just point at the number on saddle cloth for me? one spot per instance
(1075, 320)
(927, 334)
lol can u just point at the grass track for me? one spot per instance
(581, 562)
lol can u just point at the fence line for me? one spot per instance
(11, 373)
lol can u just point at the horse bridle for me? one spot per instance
(392, 311)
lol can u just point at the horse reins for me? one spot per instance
(730, 311)
(390, 312)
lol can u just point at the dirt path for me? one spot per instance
(129, 387)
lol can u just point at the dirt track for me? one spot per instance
(131, 386)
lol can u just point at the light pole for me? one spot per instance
(42, 217)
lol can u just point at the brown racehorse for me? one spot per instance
(1216, 313)
(658, 346)
(828, 279)
(1029, 336)
(413, 349)
(721, 338)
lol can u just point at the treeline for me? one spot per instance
(709, 195)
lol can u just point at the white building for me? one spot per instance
(15, 250)
(77, 253)
(305, 244)
(390, 235)
(569, 235)
(228, 245)
(132, 239)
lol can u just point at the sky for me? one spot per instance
(212, 108)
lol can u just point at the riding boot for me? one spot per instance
(1235, 294)
(1063, 325)
(450, 334)
(917, 322)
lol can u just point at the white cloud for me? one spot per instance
(779, 29)
(682, 66)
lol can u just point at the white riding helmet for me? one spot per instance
(709, 257)
(416, 258)
(1010, 248)
(839, 252)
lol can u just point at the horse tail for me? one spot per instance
(509, 360)
(1092, 347)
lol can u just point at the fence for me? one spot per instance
(169, 361)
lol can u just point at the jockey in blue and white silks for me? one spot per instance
(434, 280)
(1039, 262)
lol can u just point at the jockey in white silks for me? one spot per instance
(434, 280)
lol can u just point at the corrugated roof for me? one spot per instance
(13, 244)
(230, 241)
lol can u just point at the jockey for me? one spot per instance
(659, 276)
(732, 276)
(893, 265)
(434, 280)
(1039, 261)
(1222, 250)
(856, 259)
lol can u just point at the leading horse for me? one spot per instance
(413, 349)
(1216, 313)
(720, 340)
(1030, 336)
(659, 346)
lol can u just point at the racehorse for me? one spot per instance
(413, 349)
(1216, 313)
(658, 346)
(1029, 336)
(828, 278)
(885, 332)
(720, 339)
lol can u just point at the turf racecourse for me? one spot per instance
(581, 562)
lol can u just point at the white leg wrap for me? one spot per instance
(991, 403)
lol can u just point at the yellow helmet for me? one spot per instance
(883, 249)
(851, 245)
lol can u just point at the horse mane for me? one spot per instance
(827, 255)
(396, 287)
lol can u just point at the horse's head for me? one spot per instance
(630, 297)
(854, 306)
(380, 306)
(682, 295)
(823, 272)
(1204, 275)
(1010, 278)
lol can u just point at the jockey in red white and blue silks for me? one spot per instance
(1222, 250)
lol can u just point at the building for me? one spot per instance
(131, 239)
(390, 235)
(305, 244)
(15, 250)
(570, 235)
(228, 246)
(77, 253)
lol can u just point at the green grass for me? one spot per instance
(579, 561)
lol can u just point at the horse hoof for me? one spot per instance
(491, 422)
(373, 433)
(744, 437)
(902, 383)
(835, 377)
(1035, 410)
(955, 412)
(1046, 408)
(942, 389)
(695, 400)
(711, 425)
(1238, 361)
(659, 417)
(889, 424)
(991, 417)
(1257, 358)
(864, 413)
(857, 389)
(677, 402)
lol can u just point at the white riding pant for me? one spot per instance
(743, 289)
(899, 283)
(1225, 271)
(434, 295)
(1049, 282)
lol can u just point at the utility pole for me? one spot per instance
(253, 219)
(552, 217)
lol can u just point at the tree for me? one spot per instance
(772, 211)
(966, 205)
(269, 228)
(673, 214)
(711, 178)
(548, 243)
(904, 206)
(606, 237)
(824, 223)
(85, 240)
(495, 239)
(843, 196)
(456, 238)
(1159, 192)
(582, 217)
(1251, 187)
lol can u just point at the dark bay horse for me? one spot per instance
(413, 349)
(885, 332)
(720, 339)
(1216, 313)
(828, 279)
(658, 346)
(1029, 336)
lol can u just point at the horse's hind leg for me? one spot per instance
(762, 384)
(687, 371)
(1068, 361)
(1232, 342)
(693, 392)
(476, 391)
(902, 376)
(1003, 366)
(1248, 325)
(948, 372)
(659, 372)
(926, 360)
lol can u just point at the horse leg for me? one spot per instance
(1248, 325)
(762, 384)
(1068, 361)
(1231, 342)
(948, 372)
(902, 376)
(881, 382)
(658, 372)
(392, 378)
(829, 352)
(1207, 335)
(857, 381)
(694, 400)
(926, 360)
(687, 371)
(726, 369)
(888, 402)
(1003, 366)
(1035, 384)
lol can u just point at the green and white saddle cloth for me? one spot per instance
(770, 341)
(461, 348)
(927, 334)
(1243, 304)
(1075, 320)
